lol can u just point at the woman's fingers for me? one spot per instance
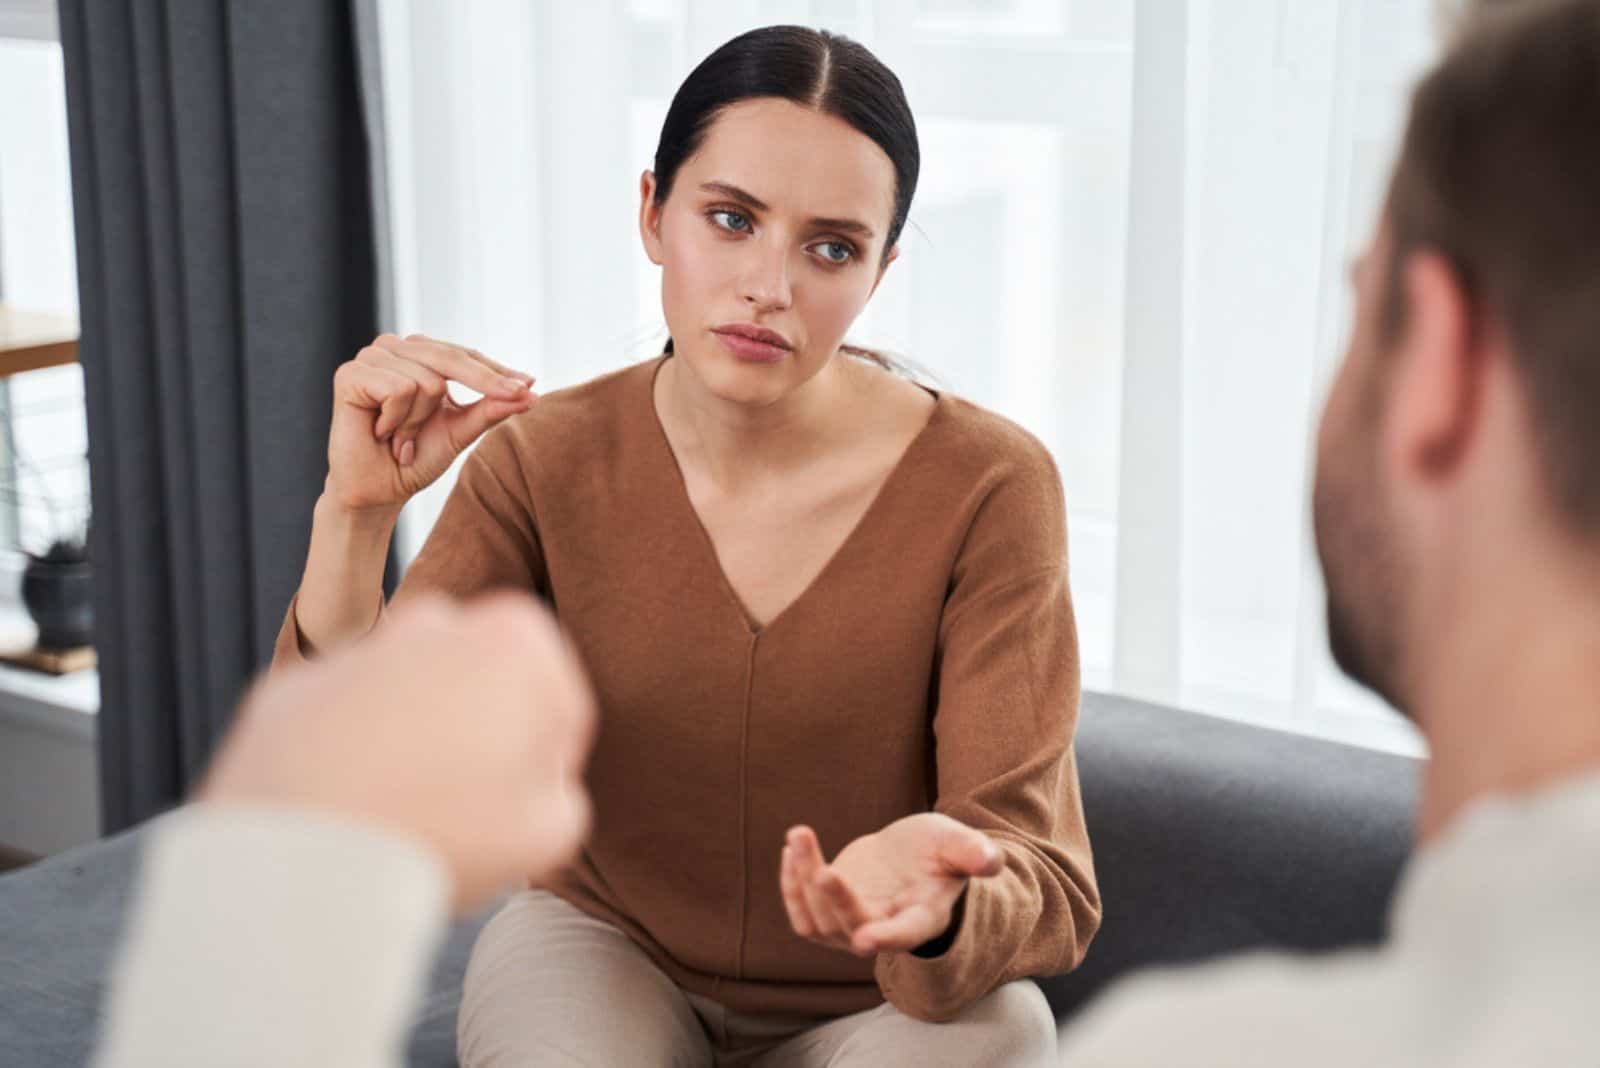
(794, 902)
(431, 392)
(848, 913)
(472, 353)
(454, 365)
(806, 853)
(802, 842)
(808, 865)
(370, 386)
(905, 930)
(431, 364)
(466, 423)
(844, 903)
(429, 396)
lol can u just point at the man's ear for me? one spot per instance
(650, 218)
(1434, 406)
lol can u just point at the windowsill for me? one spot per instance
(67, 703)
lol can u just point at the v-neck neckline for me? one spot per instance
(752, 626)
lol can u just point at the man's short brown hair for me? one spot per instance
(1499, 172)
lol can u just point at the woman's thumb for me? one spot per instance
(472, 421)
(971, 852)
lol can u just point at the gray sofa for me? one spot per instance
(1209, 837)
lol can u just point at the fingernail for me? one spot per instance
(408, 452)
(513, 385)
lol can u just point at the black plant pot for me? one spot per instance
(60, 598)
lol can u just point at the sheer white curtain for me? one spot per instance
(1130, 236)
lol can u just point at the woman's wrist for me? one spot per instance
(354, 526)
(341, 593)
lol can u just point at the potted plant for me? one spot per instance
(58, 591)
(57, 588)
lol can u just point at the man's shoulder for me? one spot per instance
(1260, 1009)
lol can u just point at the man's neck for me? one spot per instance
(1513, 703)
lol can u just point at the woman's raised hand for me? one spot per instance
(395, 426)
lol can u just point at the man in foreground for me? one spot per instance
(1457, 512)
(289, 914)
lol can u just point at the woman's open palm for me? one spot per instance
(886, 892)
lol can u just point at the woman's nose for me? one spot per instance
(766, 284)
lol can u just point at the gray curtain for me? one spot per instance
(226, 266)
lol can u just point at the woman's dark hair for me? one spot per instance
(813, 68)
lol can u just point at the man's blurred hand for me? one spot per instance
(464, 727)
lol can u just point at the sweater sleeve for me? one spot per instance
(266, 936)
(1007, 707)
(485, 538)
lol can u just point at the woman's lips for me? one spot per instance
(750, 348)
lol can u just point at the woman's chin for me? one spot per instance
(744, 382)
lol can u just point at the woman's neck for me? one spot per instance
(736, 445)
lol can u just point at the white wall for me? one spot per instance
(49, 772)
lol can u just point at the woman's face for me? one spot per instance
(777, 224)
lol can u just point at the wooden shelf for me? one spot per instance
(31, 340)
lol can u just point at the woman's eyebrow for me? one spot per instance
(861, 229)
(750, 200)
(733, 192)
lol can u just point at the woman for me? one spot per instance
(821, 605)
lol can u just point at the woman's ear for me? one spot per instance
(893, 254)
(649, 217)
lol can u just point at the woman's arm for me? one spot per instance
(1008, 704)
(341, 591)
(394, 431)
(484, 539)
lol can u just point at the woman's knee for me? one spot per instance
(1011, 1027)
(548, 984)
(1018, 1025)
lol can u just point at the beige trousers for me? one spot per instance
(549, 985)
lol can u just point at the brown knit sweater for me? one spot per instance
(932, 664)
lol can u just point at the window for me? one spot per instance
(1129, 237)
(44, 487)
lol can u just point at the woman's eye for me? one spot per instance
(731, 220)
(836, 251)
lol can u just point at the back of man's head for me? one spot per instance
(1500, 173)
